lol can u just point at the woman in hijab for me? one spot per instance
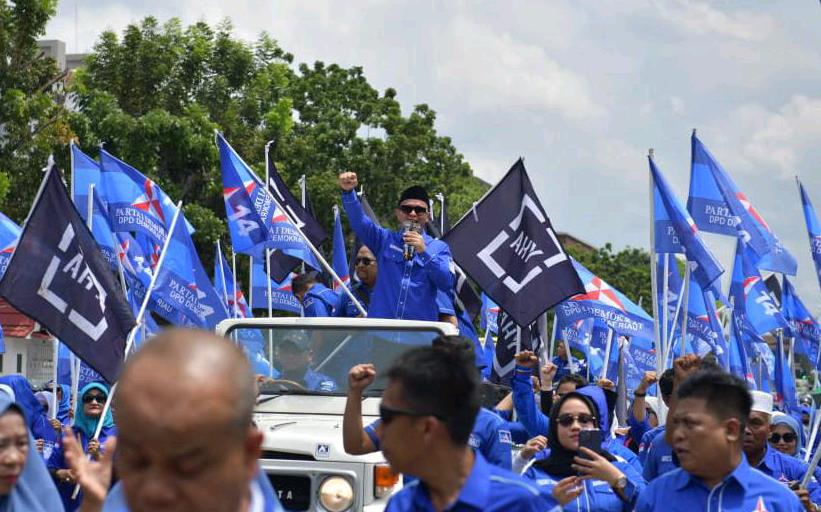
(785, 435)
(38, 424)
(26, 485)
(63, 404)
(579, 478)
(87, 414)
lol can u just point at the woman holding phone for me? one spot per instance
(583, 478)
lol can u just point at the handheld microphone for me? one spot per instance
(408, 249)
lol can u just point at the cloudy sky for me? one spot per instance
(579, 88)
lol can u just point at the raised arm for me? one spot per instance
(367, 231)
(354, 438)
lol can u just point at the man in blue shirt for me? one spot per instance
(490, 436)
(294, 356)
(366, 270)
(655, 453)
(707, 429)
(317, 299)
(405, 288)
(425, 432)
(763, 457)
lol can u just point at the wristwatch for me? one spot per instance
(620, 484)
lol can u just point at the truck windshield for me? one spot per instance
(316, 360)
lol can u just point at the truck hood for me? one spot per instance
(310, 427)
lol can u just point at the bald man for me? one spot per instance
(186, 440)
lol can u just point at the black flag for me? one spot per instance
(58, 277)
(512, 339)
(508, 247)
(282, 264)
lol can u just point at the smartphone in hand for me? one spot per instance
(591, 439)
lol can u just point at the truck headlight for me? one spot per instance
(336, 494)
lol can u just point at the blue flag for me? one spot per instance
(182, 282)
(9, 235)
(340, 259)
(513, 254)
(58, 277)
(806, 331)
(135, 203)
(750, 297)
(739, 360)
(718, 206)
(813, 229)
(490, 313)
(608, 305)
(785, 394)
(675, 232)
(282, 297)
(255, 221)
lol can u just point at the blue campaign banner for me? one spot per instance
(9, 235)
(813, 229)
(282, 298)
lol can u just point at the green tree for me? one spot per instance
(627, 270)
(155, 96)
(33, 120)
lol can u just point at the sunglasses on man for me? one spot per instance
(388, 414)
(407, 209)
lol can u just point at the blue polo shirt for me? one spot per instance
(491, 436)
(743, 490)
(346, 308)
(488, 488)
(787, 469)
(658, 458)
(646, 439)
(404, 289)
(320, 301)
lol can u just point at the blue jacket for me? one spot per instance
(743, 490)
(597, 496)
(787, 469)
(563, 368)
(488, 488)
(404, 289)
(320, 301)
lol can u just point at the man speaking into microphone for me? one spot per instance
(412, 265)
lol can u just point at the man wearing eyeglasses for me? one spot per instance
(425, 432)
(366, 270)
(412, 265)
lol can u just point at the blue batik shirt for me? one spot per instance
(743, 490)
(404, 289)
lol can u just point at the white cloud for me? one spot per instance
(493, 71)
(701, 18)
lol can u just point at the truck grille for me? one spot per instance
(294, 492)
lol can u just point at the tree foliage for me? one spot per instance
(32, 118)
(155, 96)
(627, 270)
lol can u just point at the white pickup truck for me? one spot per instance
(300, 407)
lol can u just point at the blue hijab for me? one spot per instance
(36, 417)
(86, 424)
(65, 405)
(786, 419)
(34, 491)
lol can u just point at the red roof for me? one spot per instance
(18, 325)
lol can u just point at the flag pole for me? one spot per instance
(669, 340)
(607, 348)
(319, 256)
(234, 278)
(222, 279)
(685, 306)
(268, 281)
(664, 310)
(654, 286)
(553, 338)
(139, 320)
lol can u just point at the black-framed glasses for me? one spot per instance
(789, 437)
(408, 209)
(364, 261)
(567, 420)
(388, 414)
(100, 399)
